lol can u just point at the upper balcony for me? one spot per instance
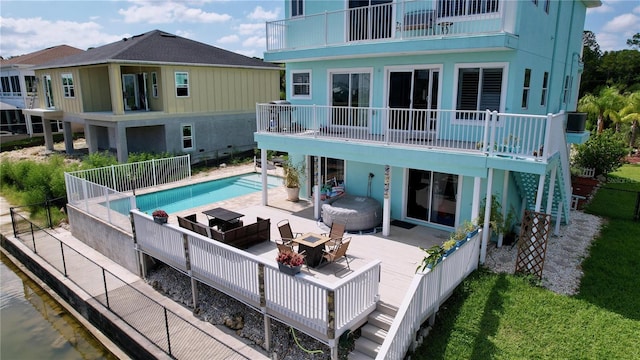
(393, 22)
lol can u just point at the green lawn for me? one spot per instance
(509, 317)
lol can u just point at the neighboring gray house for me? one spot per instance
(157, 92)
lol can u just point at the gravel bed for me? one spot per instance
(561, 271)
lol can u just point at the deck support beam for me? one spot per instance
(317, 179)
(263, 173)
(487, 217)
(475, 204)
(386, 205)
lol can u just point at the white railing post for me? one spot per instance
(155, 176)
(107, 203)
(113, 176)
(492, 140)
(485, 137)
(547, 135)
(316, 126)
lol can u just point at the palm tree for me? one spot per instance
(605, 105)
(631, 113)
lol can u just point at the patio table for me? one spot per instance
(312, 244)
(223, 218)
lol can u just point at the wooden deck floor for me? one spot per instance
(399, 253)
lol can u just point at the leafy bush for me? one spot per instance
(99, 159)
(605, 152)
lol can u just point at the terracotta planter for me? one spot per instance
(293, 194)
(288, 269)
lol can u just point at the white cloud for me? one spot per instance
(251, 29)
(260, 14)
(637, 9)
(229, 39)
(25, 35)
(626, 24)
(610, 42)
(185, 34)
(248, 52)
(254, 41)
(600, 9)
(161, 12)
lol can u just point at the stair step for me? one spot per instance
(357, 355)
(367, 347)
(380, 320)
(374, 333)
(387, 309)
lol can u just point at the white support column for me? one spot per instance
(475, 204)
(487, 218)
(263, 173)
(386, 204)
(540, 192)
(317, 179)
(48, 135)
(68, 137)
(503, 202)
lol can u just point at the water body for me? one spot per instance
(35, 326)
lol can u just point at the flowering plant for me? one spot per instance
(160, 213)
(290, 258)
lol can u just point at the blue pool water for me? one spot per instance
(190, 196)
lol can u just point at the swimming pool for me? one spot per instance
(190, 196)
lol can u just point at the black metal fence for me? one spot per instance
(169, 331)
(46, 208)
(624, 203)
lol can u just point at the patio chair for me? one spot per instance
(338, 252)
(335, 233)
(285, 231)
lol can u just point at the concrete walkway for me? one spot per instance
(190, 337)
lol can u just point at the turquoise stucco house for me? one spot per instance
(428, 106)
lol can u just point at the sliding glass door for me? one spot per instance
(350, 98)
(412, 96)
(432, 197)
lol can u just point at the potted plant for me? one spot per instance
(449, 246)
(293, 174)
(432, 258)
(496, 220)
(160, 216)
(289, 262)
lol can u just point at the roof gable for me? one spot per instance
(43, 56)
(159, 47)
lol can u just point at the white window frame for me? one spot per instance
(154, 84)
(293, 84)
(545, 88)
(526, 88)
(68, 89)
(297, 8)
(567, 89)
(184, 137)
(505, 77)
(182, 86)
(351, 71)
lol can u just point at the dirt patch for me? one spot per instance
(40, 153)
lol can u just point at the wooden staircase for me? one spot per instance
(374, 332)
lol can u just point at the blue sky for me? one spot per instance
(236, 25)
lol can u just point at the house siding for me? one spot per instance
(95, 84)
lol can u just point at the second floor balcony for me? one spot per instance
(516, 136)
(391, 21)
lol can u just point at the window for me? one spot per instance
(182, 84)
(297, 8)
(154, 84)
(467, 7)
(479, 89)
(567, 88)
(525, 88)
(6, 86)
(535, 2)
(545, 89)
(547, 4)
(15, 85)
(30, 83)
(301, 84)
(350, 98)
(67, 85)
(187, 137)
(48, 91)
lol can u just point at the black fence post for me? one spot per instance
(166, 325)
(64, 264)
(47, 206)
(13, 222)
(636, 213)
(33, 238)
(106, 293)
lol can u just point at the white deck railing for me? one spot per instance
(139, 175)
(427, 292)
(501, 134)
(321, 309)
(381, 23)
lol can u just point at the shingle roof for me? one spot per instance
(158, 47)
(42, 56)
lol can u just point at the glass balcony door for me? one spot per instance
(350, 98)
(412, 94)
(432, 196)
(370, 19)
